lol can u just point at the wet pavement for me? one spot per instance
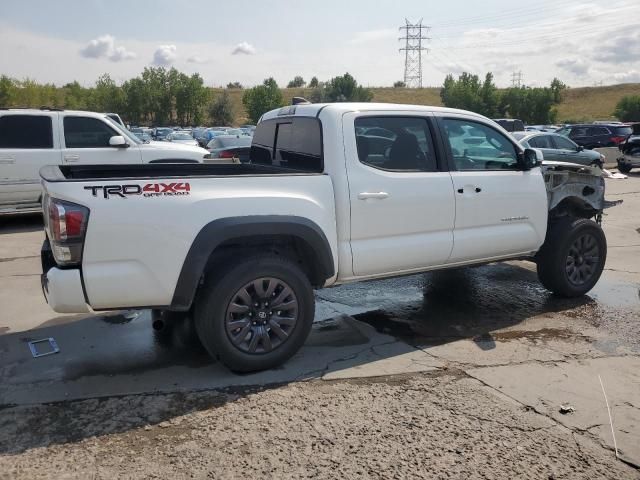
(494, 323)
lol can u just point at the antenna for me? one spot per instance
(414, 33)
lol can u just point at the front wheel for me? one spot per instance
(624, 168)
(255, 314)
(573, 256)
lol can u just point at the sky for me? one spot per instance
(582, 43)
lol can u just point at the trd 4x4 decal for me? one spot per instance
(148, 190)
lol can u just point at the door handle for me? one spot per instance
(477, 189)
(376, 195)
(7, 160)
(71, 158)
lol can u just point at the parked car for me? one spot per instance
(230, 146)
(30, 139)
(250, 242)
(181, 137)
(510, 124)
(596, 136)
(160, 133)
(558, 148)
(630, 150)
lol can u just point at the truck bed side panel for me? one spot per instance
(136, 245)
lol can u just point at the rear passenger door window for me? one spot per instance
(541, 141)
(475, 146)
(397, 144)
(86, 132)
(25, 132)
(291, 142)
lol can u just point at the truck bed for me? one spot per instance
(66, 173)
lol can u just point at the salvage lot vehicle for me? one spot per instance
(246, 244)
(559, 148)
(630, 150)
(596, 135)
(230, 146)
(30, 139)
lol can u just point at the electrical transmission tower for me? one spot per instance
(516, 79)
(414, 34)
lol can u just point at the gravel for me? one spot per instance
(442, 425)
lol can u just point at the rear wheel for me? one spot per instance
(573, 256)
(256, 314)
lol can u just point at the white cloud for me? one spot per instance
(197, 59)
(624, 48)
(165, 54)
(105, 47)
(576, 66)
(374, 35)
(244, 48)
(632, 76)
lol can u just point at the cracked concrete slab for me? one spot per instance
(546, 386)
(386, 359)
(106, 356)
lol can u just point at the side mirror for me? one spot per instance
(579, 148)
(531, 158)
(118, 141)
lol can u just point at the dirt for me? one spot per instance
(441, 426)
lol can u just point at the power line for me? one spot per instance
(413, 37)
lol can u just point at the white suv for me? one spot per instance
(30, 139)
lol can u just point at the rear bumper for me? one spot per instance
(62, 289)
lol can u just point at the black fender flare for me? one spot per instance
(222, 230)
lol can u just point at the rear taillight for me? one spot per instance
(66, 225)
(618, 140)
(226, 154)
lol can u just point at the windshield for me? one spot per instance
(181, 136)
(623, 131)
(234, 142)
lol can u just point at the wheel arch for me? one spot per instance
(280, 233)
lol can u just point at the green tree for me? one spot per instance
(75, 96)
(297, 82)
(532, 105)
(628, 108)
(399, 84)
(106, 96)
(259, 100)
(134, 109)
(221, 110)
(7, 87)
(314, 82)
(469, 93)
(237, 85)
(557, 88)
(346, 89)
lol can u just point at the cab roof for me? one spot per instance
(314, 109)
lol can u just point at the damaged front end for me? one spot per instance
(575, 190)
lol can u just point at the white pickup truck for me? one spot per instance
(30, 139)
(334, 193)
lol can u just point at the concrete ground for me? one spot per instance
(476, 373)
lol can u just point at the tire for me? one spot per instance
(247, 338)
(623, 168)
(573, 256)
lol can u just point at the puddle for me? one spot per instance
(440, 307)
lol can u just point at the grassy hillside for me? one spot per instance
(579, 104)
